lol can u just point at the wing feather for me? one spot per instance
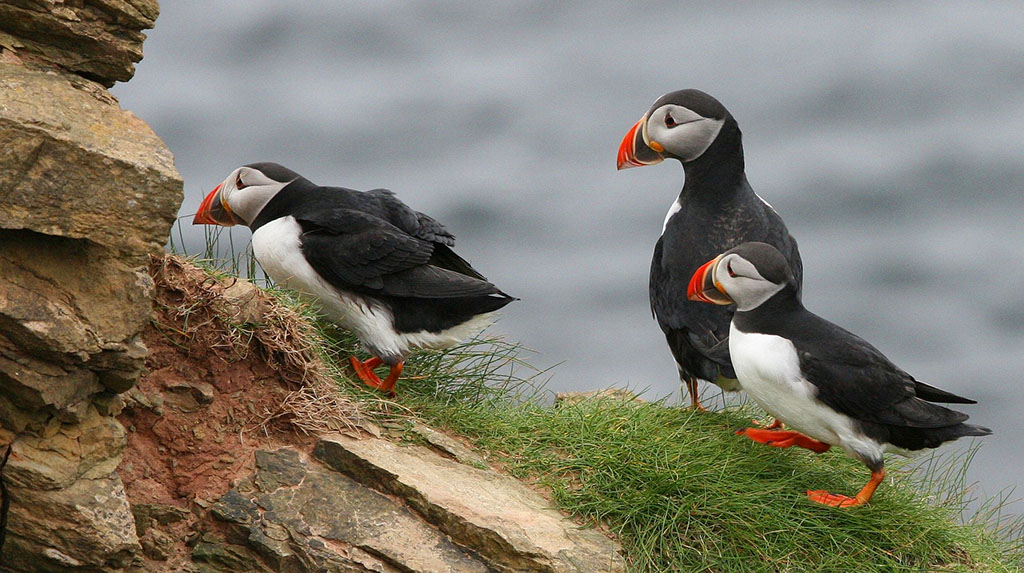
(352, 249)
(856, 379)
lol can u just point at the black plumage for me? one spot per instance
(716, 210)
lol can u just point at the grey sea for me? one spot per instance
(889, 136)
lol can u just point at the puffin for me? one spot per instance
(367, 261)
(828, 386)
(716, 209)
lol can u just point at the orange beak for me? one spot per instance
(634, 151)
(704, 288)
(214, 211)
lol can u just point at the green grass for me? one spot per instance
(677, 488)
(681, 492)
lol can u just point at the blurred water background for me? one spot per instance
(889, 136)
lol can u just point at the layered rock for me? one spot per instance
(87, 193)
(396, 508)
(97, 39)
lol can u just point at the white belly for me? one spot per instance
(276, 246)
(769, 371)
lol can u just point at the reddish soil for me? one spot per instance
(196, 419)
(193, 450)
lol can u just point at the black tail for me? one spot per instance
(920, 438)
(437, 314)
(972, 430)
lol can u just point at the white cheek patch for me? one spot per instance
(691, 136)
(752, 292)
(248, 202)
(699, 136)
(749, 289)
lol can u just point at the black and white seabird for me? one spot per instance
(717, 209)
(829, 386)
(371, 264)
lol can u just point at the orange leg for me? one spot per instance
(691, 385)
(364, 370)
(836, 500)
(389, 382)
(784, 439)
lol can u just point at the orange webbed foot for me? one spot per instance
(836, 500)
(783, 439)
(364, 371)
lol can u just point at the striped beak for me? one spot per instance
(703, 286)
(214, 211)
(634, 151)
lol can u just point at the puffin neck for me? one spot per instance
(720, 167)
(284, 203)
(768, 317)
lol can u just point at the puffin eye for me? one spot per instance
(728, 267)
(670, 121)
(238, 182)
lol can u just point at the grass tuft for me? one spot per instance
(196, 314)
(682, 492)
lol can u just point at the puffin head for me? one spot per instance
(241, 197)
(746, 275)
(680, 125)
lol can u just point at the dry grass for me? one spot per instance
(234, 318)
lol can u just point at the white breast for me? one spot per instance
(769, 371)
(676, 206)
(277, 248)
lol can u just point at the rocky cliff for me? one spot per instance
(157, 419)
(87, 193)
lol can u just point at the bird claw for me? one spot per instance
(364, 371)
